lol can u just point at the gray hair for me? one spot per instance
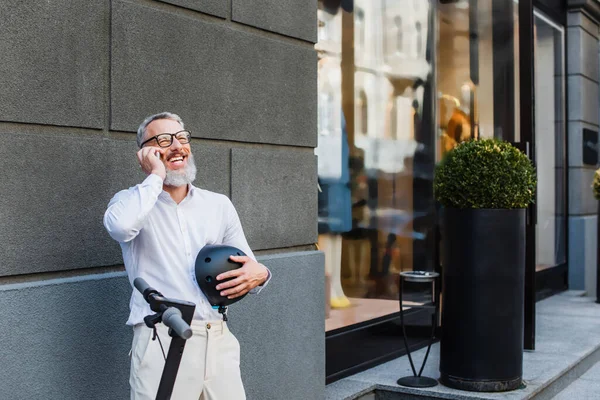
(163, 115)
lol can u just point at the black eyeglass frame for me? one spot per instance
(172, 135)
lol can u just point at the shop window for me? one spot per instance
(549, 144)
(322, 28)
(362, 108)
(326, 111)
(359, 28)
(476, 74)
(393, 119)
(399, 36)
(419, 35)
(375, 216)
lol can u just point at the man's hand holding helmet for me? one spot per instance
(246, 278)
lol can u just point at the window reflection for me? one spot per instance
(363, 114)
(419, 39)
(399, 37)
(476, 75)
(375, 151)
(360, 28)
(549, 136)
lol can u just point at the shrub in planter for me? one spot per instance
(484, 187)
(485, 173)
(596, 184)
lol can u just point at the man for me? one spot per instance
(161, 224)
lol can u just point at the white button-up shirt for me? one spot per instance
(160, 240)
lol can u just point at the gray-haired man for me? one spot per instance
(161, 224)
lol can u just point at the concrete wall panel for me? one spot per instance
(225, 84)
(295, 18)
(282, 330)
(54, 63)
(55, 196)
(584, 59)
(66, 339)
(213, 7)
(275, 193)
(583, 99)
(581, 197)
(582, 253)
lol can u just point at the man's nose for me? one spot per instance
(176, 144)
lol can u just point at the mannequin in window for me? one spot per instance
(335, 218)
(356, 241)
(459, 126)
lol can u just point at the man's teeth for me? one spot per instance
(174, 159)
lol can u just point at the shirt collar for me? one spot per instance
(191, 190)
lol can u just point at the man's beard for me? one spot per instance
(183, 176)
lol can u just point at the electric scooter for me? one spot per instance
(177, 315)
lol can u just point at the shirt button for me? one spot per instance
(207, 326)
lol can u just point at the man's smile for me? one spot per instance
(176, 160)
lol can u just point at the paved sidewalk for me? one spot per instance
(567, 345)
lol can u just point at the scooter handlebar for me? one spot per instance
(171, 317)
(141, 285)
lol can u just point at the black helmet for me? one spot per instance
(211, 261)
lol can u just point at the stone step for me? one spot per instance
(579, 381)
(587, 386)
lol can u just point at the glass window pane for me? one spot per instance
(375, 154)
(549, 143)
(476, 70)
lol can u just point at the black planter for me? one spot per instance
(483, 267)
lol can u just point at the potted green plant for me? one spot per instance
(596, 189)
(596, 184)
(484, 188)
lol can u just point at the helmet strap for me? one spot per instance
(223, 310)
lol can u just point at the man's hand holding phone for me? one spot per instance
(149, 159)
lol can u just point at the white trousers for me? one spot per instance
(209, 369)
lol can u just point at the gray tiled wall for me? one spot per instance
(586, 63)
(289, 17)
(276, 191)
(217, 8)
(583, 95)
(67, 338)
(76, 79)
(583, 231)
(54, 62)
(225, 83)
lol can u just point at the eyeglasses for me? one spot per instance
(166, 139)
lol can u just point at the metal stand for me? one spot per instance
(417, 380)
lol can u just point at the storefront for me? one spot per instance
(400, 83)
